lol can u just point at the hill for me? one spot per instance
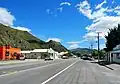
(55, 46)
(81, 51)
(25, 40)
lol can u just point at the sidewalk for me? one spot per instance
(111, 66)
(19, 61)
(114, 66)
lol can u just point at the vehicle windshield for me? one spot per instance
(59, 41)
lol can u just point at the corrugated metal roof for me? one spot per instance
(26, 51)
(40, 50)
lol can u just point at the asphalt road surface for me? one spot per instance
(68, 71)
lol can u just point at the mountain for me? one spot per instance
(25, 40)
(81, 51)
(55, 46)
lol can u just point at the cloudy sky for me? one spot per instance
(74, 23)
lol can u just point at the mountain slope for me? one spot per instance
(81, 51)
(24, 40)
(55, 46)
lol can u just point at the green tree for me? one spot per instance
(113, 38)
(101, 54)
(95, 53)
(78, 54)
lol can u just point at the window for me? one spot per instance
(7, 53)
(118, 56)
(15, 54)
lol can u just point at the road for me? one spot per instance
(68, 71)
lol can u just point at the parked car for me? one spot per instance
(74, 56)
(20, 56)
(48, 58)
(64, 57)
(85, 57)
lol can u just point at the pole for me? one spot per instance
(91, 48)
(98, 48)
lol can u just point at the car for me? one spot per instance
(48, 58)
(64, 57)
(20, 56)
(85, 58)
(74, 56)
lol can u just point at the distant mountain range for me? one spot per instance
(81, 51)
(25, 40)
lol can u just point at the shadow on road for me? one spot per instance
(103, 63)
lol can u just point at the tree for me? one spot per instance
(101, 54)
(113, 38)
(95, 53)
(78, 54)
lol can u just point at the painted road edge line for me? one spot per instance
(58, 73)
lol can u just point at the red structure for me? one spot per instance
(9, 53)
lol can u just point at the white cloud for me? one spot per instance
(117, 12)
(65, 3)
(102, 18)
(84, 7)
(22, 28)
(54, 39)
(48, 11)
(104, 23)
(113, 1)
(92, 36)
(60, 9)
(96, 15)
(73, 46)
(101, 4)
(76, 42)
(102, 46)
(6, 17)
(117, 8)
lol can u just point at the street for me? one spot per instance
(67, 71)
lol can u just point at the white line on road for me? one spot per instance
(58, 73)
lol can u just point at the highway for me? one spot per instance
(67, 71)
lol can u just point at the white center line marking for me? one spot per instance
(58, 73)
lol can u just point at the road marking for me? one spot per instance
(14, 72)
(9, 73)
(58, 73)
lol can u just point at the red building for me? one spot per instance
(8, 53)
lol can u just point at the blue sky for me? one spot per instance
(67, 21)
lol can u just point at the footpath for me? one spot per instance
(114, 67)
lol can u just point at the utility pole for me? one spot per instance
(98, 47)
(91, 48)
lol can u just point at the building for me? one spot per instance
(57, 55)
(41, 54)
(26, 54)
(8, 53)
(113, 56)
